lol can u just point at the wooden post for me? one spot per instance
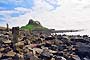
(7, 28)
(15, 32)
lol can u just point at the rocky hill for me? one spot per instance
(33, 25)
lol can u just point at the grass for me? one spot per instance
(33, 27)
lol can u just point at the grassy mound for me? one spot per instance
(34, 25)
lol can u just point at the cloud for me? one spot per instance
(69, 15)
(53, 3)
(21, 9)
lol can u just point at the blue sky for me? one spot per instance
(11, 5)
(7, 5)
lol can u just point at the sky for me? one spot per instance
(55, 14)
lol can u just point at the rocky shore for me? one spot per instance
(24, 45)
(35, 42)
